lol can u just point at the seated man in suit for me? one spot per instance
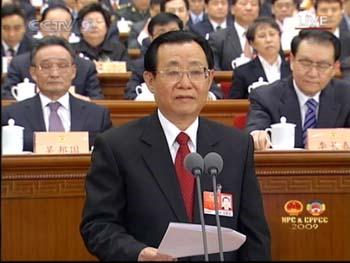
(137, 183)
(197, 11)
(158, 25)
(332, 11)
(217, 18)
(53, 69)
(311, 98)
(13, 29)
(229, 44)
(264, 36)
(56, 20)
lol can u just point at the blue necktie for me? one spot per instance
(310, 117)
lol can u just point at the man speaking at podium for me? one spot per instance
(136, 185)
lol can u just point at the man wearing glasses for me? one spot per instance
(137, 184)
(53, 108)
(311, 98)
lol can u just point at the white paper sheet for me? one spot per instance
(182, 240)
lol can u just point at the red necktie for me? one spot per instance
(185, 178)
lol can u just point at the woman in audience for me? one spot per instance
(94, 21)
(269, 65)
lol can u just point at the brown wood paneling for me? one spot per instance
(42, 198)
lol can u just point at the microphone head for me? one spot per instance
(194, 163)
(213, 162)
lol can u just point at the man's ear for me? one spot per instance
(291, 61)
(149, 79)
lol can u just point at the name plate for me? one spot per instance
(61, 142)
(111, 67)
(328, 139)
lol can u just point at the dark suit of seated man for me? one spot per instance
(135, 186)
(310, 98)
(53, 69)
(158, 25)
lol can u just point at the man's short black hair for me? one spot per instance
(51, 41)
(175, 37)
(53, 7)
(261, 20)
(318, 36)
(10, 10)
(163, 18)
(94, 7)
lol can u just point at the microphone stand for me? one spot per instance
(213, 173)
(201, 215)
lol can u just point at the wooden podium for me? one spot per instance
(42, 198)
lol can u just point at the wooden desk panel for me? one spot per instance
(123, 111)
(42, 198)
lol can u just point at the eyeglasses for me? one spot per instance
(195, 74)
(61, 66)
(319, 66)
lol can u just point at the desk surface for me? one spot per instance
(42, 198)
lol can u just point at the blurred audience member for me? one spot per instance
(94, 21)
(217, 18)
(197, 11)
(138, 31)
(181, 8)
(282, 9)
(14, 40)
(230, 43)
(136, 11)
(264, 36)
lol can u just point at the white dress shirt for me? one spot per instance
(215, 24)
(171, 132)
(241, 31)
(272, 72)
(63, 111)
(6, 47)
(302, 98)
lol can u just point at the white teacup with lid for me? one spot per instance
(282, 135)
(257, 84)
(143, 93)
(12, 138)
(23, 90)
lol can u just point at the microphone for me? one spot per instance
(194, 163)
(213, 164)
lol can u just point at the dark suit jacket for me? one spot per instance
(246, 74)
(278, 99)
(204, 27)
(344, 37)
(86, 82)
(226, 47)
(26, 45)
(135, 30)
(133, 192)
(113, 50)
(137, 68)
(85, 116)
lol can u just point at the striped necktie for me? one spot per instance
(310, 117)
